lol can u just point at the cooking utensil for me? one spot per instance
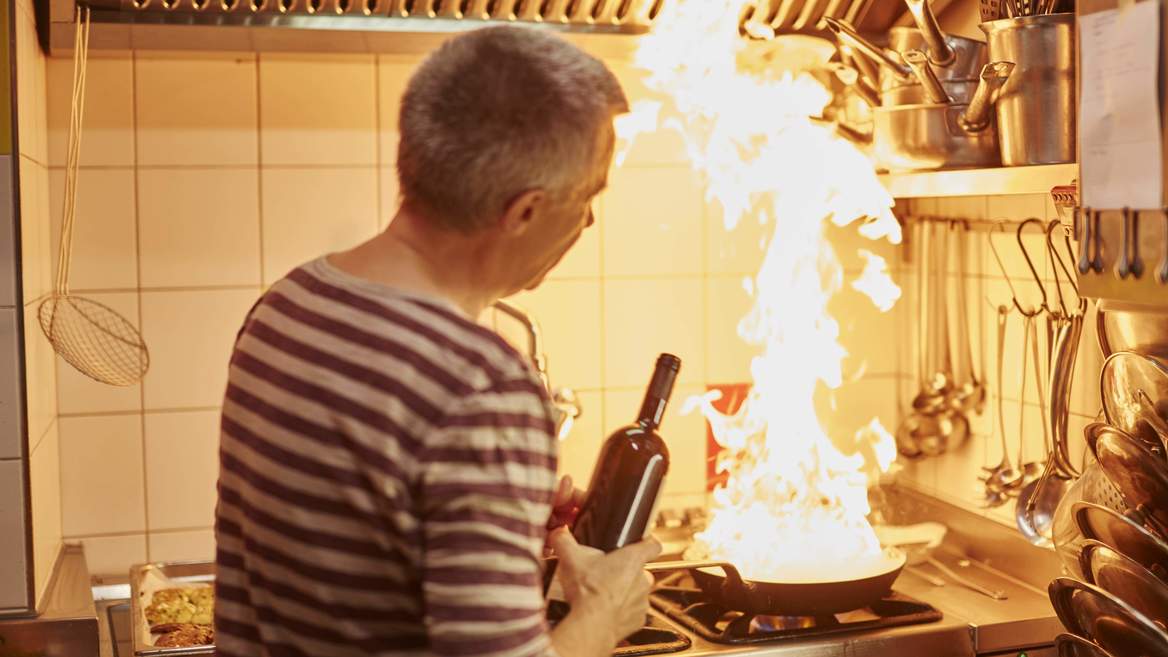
(1067, 340)
(1134, 390)
(90, 336)
(1029, 469)
(915, 422)
(970, 395)
(934, 136)
(723, 583)
(1069, 645)
(1092, 613)
(962, 581)
(918, 61)
(989, 10)
(1130, 327)
(891, 65)
(1139, 475)
(940, 52)
(1003, 476)
(1039, 500)
(1123, 535)
(954, 426)
(1036, 113)
(970, 55)
(960, 91)
(1127, 580)
(852, 79)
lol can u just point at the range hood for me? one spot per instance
(409, 26)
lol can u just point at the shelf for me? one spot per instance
(980, 182)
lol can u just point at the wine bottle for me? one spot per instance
(627, 478)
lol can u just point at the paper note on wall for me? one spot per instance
(1119, 109)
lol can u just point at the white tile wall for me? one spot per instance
(318, 109)
(43, 447)
(182, 465)
(307, 212)
(190, 214)
(190, 334)
(102, 475)
(199, 227)
(196, 109)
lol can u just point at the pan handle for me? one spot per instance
(733, 577)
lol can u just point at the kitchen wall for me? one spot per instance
(40, 370)
(206, 177)
(953, 476)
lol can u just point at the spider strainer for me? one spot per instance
(90, 336)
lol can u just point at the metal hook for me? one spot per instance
(1006, 275)
(1052, 253)
(1062, 264)
(1044, 306)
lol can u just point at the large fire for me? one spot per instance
(795, 504)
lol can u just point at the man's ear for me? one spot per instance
(522, 211)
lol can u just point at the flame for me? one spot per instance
(795, 504)
(876, 283)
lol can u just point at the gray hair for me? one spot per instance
(496, 112)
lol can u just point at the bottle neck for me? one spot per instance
(658, 393)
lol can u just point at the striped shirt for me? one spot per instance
(386, 471)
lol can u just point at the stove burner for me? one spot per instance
(655, 638)
(679, 598)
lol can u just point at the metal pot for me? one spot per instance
(1036, 113)
(936, 136)
(960, 91)
(969, 55)
(1129, 327)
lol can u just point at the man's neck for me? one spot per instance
(412, 256)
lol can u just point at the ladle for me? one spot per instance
(970, 395)
(1030, 470)
(950, 428)
(1039, 499)
(1002, 476)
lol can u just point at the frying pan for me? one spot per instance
(723, 583)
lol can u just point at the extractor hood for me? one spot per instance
(409, 26)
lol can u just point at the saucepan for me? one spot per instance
(724, 584)
(941, 134)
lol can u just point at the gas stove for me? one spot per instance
(678, 597)
(915, 619)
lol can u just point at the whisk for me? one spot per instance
(89, 335)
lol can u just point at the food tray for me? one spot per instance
(145, 579)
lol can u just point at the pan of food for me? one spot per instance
(807, 595)
(172, 608)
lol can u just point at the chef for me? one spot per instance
(387, 465)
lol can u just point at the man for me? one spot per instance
(387, 466)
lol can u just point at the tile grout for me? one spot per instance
(138, 261)
(259, 165)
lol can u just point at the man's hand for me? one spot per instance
(565, 504)
(612, 589)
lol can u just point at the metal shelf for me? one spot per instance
(980, 182)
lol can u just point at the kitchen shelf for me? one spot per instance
(980, 182)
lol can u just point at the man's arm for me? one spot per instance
(486, 490)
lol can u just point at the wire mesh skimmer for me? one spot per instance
(89, 335)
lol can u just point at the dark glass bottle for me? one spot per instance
(627, 478)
